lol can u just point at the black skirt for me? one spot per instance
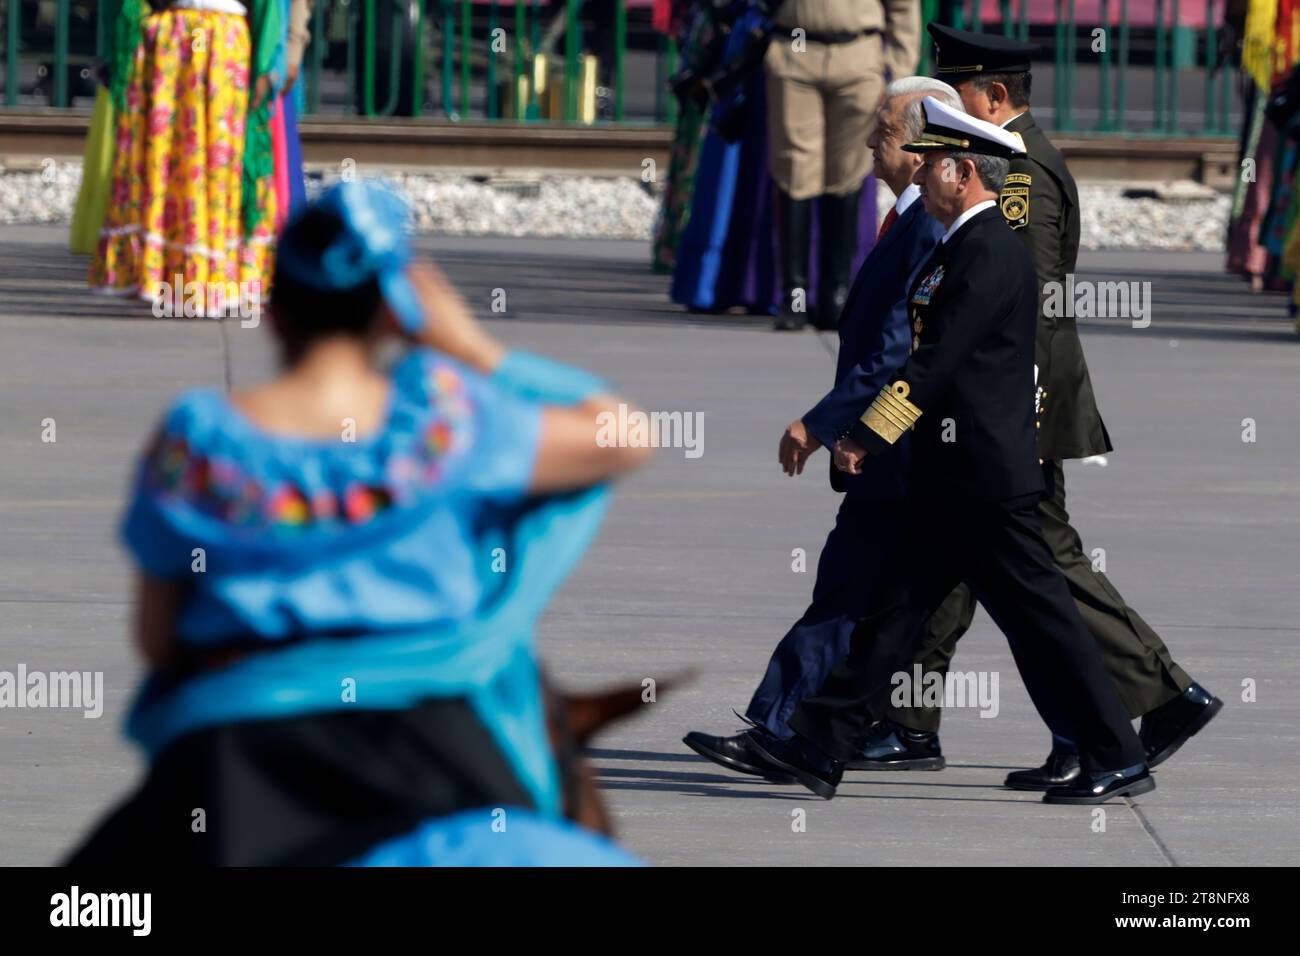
(315, 790)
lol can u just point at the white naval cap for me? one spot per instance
(953, 130)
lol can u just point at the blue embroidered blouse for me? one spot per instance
(419, 547)
(279, 537)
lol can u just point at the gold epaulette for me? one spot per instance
(891, 414)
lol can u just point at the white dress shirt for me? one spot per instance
(908, 196)
(974, 210)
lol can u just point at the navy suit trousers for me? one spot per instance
(865, 539)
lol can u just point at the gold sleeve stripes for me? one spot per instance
(891, 414)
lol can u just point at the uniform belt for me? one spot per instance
(833, 38)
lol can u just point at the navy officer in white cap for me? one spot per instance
(1040, 202)
(967, 391)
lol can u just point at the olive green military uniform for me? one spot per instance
(1041, 203)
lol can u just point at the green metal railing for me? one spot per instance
(487, 61)
(465, 41)
(449, 36)
(1174, 51)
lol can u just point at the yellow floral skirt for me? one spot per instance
(174, 209)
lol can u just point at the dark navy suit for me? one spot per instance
(875, 339)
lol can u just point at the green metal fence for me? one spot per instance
(456, 41)
(1107, 43)
(496, 48)
(502, 60)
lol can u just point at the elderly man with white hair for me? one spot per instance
(965, 396)
(874, 341)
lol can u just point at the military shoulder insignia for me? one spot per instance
(1015, 199)
(925, 291)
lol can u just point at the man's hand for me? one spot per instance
(796, 445)
(849, 456)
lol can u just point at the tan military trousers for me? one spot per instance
(820, 106)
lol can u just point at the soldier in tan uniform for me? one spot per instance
(299, 35)
(826, 69)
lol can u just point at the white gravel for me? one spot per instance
(1111, 221)
(532, 203)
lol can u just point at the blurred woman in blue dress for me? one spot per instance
(340, 571)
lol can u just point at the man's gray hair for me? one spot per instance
(992, 170)
(918, 87)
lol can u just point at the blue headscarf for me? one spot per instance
(373, 244)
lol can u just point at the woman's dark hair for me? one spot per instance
(304, 312)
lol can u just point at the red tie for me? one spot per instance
(889, 221)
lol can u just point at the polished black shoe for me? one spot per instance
(817, 771)
(1174, 722)
(736, 753)
(894, 747)
(1089, 788)
(1062, 767)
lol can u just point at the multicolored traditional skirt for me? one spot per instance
(676, 204)
(96, 175)
(175, 206)
(290, 188)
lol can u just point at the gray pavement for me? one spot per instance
(693, 567)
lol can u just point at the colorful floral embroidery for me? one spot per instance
(219, 487)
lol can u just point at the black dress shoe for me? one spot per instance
(1062, 767)
(1089, 788)
(894, 747)
(736, 753)
(817, 771)
(1174, 722)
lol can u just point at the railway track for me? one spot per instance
(603, 150)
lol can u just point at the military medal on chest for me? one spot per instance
(924, 293)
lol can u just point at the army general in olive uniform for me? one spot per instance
(1040, 202)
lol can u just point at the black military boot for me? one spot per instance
(796, 234)
(895, 747)
(838, 241)
(1173, 723)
